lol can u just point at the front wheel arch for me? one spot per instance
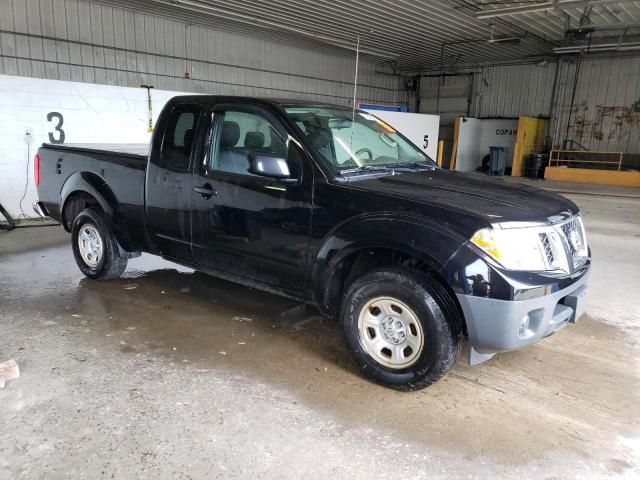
(363, 260)
(415, 239)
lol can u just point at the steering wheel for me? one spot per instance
(364, 150)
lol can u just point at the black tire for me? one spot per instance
(435, 309)
(110, 264)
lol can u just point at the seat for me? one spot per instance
(321, 140)
(254, 141)
(231, 158)
(188, 141)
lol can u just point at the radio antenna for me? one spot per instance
(355, 80)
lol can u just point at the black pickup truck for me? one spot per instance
(331, 207)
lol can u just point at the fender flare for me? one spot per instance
(422, 238)
(91, 184)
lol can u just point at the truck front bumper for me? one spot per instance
(502, 325)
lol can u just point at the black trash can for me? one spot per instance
(536, 164)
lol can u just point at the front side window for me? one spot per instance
(240, 134)
(346, 141)
(178, 137)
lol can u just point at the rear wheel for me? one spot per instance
(402, 328)
(95, 247)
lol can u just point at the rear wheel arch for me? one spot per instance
(87, 190)
(74, 203)
(95, 246)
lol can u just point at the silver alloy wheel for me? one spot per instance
(90, 245)
(390, 332)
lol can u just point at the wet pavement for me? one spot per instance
(169, 373)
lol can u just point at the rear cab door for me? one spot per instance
(169, 190)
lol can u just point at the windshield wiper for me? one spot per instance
(413, 165)
(401, 166)
(367, 168)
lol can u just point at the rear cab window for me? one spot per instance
(178, 140)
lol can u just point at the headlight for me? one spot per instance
(527, 248)
(551, 248)
(514, 249)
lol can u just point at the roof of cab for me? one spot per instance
(240, 99)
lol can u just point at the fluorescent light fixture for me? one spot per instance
(596, 48)
(543, 7)
(501, 12)
(493, 39)
(504, 40)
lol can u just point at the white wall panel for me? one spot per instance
(91, 113)
(477, 135)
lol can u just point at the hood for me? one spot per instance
(490, 197)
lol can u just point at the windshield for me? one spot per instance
(345, 145)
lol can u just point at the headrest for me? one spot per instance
(254, 140)
(320, 138)
(230, 134)
(188, 139)
(278, 144)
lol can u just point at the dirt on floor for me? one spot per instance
(168, 373)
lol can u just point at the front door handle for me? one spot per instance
(206, 190)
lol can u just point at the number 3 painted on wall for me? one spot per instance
(57, 128)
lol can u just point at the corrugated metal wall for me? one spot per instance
(447, 96)
(84, 41)
(602, 117)
(513, 90)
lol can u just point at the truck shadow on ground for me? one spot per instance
(570, 392)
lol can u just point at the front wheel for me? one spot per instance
(402, 328)
(95, 247)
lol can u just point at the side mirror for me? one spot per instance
(270, 166)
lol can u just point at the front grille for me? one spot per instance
(576, 242)
(546, 247)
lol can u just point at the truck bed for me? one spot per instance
(116, 170)
(133, 149)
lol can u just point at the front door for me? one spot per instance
(246, 224)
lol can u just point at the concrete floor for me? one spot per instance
(172, 374)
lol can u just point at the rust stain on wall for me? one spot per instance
(603, 123)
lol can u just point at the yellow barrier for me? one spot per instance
(530, 139)
(593, 175)
(556, 158)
